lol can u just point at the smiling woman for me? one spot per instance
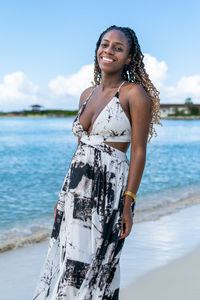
(95, 210)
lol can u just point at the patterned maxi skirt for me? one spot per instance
(82, 261)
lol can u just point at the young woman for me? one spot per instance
(95, 210)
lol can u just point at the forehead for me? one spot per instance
(115, 36)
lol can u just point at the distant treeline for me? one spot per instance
(46, 112)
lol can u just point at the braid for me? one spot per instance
(133, 72)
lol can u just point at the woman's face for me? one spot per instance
(113, 52)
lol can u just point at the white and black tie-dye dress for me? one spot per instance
(82, 261)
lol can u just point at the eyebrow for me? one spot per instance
(115, 42)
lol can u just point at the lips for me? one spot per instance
(107, 60)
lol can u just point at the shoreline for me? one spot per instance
(73, 115)
(9, 242)
(38, 116)
(181, 118)
(150, 246)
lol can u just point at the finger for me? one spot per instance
(123, 229)
(127, 231)
(123, 226)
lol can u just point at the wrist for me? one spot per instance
(128, 200)
(130, 196)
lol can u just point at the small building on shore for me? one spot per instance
(166, 109)
(36, 107)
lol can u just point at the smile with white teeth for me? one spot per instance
(107, 59)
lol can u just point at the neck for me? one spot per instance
(110, 81)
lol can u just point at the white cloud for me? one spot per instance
(17, 86)
(73, 85)
(157, 70)
(187, 86)
(17, 91)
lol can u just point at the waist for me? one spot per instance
(118, 138)
(98, 141)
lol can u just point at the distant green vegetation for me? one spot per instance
(41, 113)
(193, 110)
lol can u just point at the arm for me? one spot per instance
(140, 109)
(141, 113)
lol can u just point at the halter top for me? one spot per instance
(111, 123)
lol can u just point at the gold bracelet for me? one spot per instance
(130, 194)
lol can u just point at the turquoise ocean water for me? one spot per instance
(35, 156)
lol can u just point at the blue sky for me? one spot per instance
(44, 44)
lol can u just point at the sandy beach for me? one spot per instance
(179, 280)
(160, 260)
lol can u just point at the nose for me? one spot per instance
(109, 50)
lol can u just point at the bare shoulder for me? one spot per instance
(137, 96)
(85, 94)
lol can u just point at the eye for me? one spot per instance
(118, 49)
(103, 45)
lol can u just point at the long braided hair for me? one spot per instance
(133, 72)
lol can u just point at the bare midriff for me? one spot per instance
(122, 146)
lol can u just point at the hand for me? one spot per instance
(127, 222)
(55, 208)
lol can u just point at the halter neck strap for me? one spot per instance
(120, 86)
(91, 93)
